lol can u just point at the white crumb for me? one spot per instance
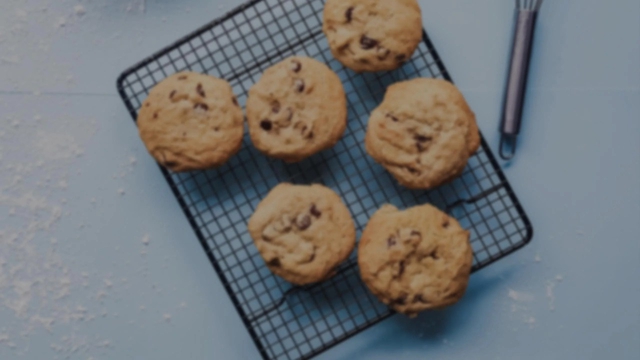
(121, 191)
(167, 317)
(183, 305)
(559, 278)
(520, 296)
(62, 22)
(145, 239)
(108, 283)
(132, 160)
(142, 308)
(79, 10)
(537, 258)
(530, 320)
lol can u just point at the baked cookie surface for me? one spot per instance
(416, 259)
(372, 35)
(302, 232)
(296, 109)
(423, 132)
(191, 121)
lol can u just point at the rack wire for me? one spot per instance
(284, 321)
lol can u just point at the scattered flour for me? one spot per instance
(520, 308)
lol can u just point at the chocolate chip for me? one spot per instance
(422, 138)
(418, 298)
(310, 135)
(182, 77)
(275, 108)
(170, 164)
(155, 115)
(299, 84)
(349, 14)
(173, 93)
(393, 118)
(401, 300)
(367, 43)
(314, 211)
(401, 58)
(313, 256)
(216, 129)
(201, 106)
(275, 262)
(289, 114)
(445, 223)
(184, 134)
(200, 90)
(391, 242)
(401, 271)
(147, 104)
(303, 222)
(434, 254)
(382, 53)
(266, 125)
(296, 66)
(235, 101)
(412, 170)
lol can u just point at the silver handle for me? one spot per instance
(517, 81)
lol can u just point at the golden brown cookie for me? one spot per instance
(416, 259)
(372, 35)
(423, 132)
(302, 232)
(191, 121)
(297, 109)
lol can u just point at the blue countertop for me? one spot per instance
(97, 260)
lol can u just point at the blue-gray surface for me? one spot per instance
(572, 294)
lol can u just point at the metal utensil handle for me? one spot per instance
(518, 72)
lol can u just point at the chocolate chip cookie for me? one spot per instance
(191, 121)
(302, 232)
(416, 259)
(423, 133)
(372, 35)
(297, 109)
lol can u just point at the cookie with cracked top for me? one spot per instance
(302, 232)
(191, 121)
(372, 35)
(415, 260)
(296, 109)
(423, 133)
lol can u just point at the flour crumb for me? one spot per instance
(108, 283)
(559, 278)
(62, 22)
(520, 296)
(183, 305)
(530, 320)
(121, 191)
(145, 239)
(537, 258)
(143, 308)
(167, 317)
(79, 10)
(133, 160)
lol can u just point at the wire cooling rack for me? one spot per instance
(288, 322)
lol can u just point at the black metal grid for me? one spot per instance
(289, 322)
